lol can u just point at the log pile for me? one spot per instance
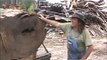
(94, 15)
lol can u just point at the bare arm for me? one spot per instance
(88, 52)
(52, 22)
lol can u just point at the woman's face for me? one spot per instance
(74, 22)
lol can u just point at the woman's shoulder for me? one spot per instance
(86, 31)
(64, 26)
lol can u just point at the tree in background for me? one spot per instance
(28, 5)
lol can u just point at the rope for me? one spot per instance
(3, 36)
(45, 48)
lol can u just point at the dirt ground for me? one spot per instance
(56, 45)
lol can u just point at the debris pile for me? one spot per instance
(9, 12)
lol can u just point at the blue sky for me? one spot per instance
(53, 1)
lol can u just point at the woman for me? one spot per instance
(78, 38)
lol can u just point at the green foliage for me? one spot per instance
(31, 8)
(27, 5)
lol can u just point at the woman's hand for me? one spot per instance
(83, 59)
(52, 22)
(42, 17)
